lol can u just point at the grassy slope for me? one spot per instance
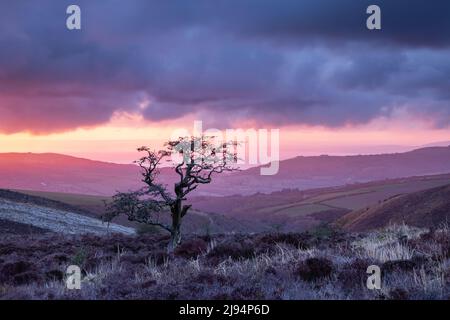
(92, 204)
(305, 209)
(356, 197)
(426, 208)
(291, 210)
(196, 222)
(51, 215)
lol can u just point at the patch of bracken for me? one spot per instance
(222, 296)
(134, 258)
(27, 277)
(208, 277)
(398, 294)
(444, 240)
(92, 262)
(9, 270)
(353, 275)
(55, 258)
(159, 257)
(33, 267)
(247, 292)
(54, 275)
(8, 249)
(270, 271)
(421, 261)
(148, 284)
(233, 250)
(297, 240)
(398, 266)
(191, 248)
(313, 269)
(426, 236)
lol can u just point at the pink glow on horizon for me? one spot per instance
(117, 140)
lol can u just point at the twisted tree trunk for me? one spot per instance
(175, 234)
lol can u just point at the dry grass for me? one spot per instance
(249, 267)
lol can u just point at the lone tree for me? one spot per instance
(195, 160)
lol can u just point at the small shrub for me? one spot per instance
(247, 293)
(27, 278)
(398, 265)
(147, 284)
(235, 251)
(134, 258)
(143, 229)
(12, 269)
(353, 275)
(208, 277)
(80, 257)
(270, 271)
(398, 294)
(58, 258)
(294, 239)
(92, 262)
(207, 231)
(325, 231)
(159, 257)
(191, 248)
(314, 269)
(54, 275)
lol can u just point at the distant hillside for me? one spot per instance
(94, 206)
(288, 210)
(426, 208)
(326, 171)
(298, 210)
(17, 211)
(60, 173)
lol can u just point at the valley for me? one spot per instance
(288, 211)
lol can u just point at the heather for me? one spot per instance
(320, 264)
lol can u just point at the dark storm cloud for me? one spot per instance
(278, 62)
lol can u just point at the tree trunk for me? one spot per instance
(175, 238)
(175, 234)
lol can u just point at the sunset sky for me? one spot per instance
(139, 70)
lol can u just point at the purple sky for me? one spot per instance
(277, 62)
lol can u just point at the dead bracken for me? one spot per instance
(240, 266)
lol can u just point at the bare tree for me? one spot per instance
(198, 160)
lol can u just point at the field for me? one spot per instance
(43, 214)
(196, 222)
(289, 210)
(94, 204)
(354, 197)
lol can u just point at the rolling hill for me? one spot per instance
(326, 171)
(427, 208)
(288, 210)
(298, 210)
(18, 210)
(94, 206)
(60, 173)
(66, 174)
